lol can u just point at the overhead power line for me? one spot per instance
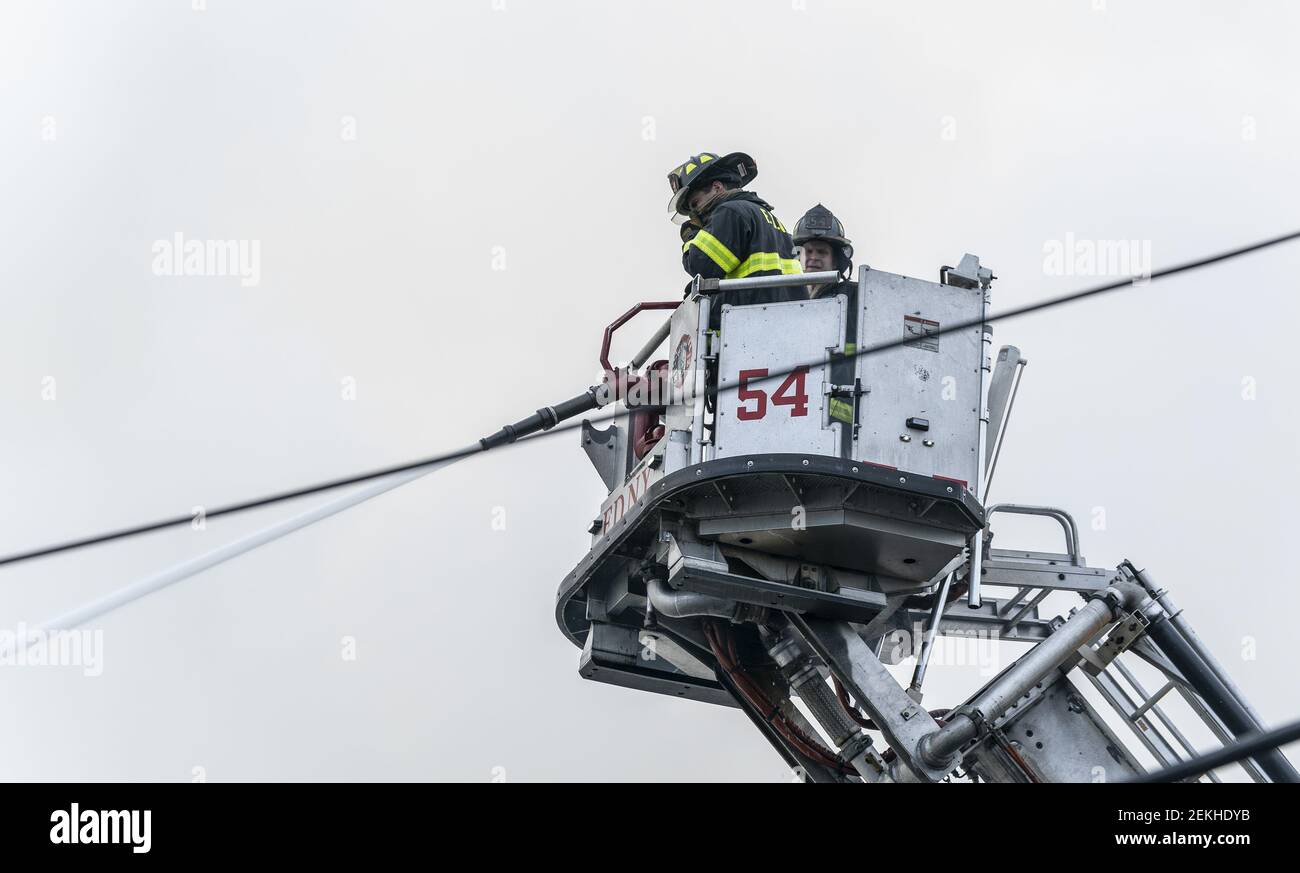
(229, 509)
(482, 446)
(101, 606)
(1051, 302)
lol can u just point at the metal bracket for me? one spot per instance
(854, 392)
(676, 544)
(1123, 635)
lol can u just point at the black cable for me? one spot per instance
(1244, 748)
(122, 533)
(1046, 304)
(1041, 305)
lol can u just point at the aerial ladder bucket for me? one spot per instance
(786, 495)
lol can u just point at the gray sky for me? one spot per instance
(389, 158)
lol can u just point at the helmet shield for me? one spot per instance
(820, 223)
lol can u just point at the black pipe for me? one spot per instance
(544, 419)
(1205, 682)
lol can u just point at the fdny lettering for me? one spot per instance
(622, 500)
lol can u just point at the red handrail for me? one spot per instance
(624, 319)
(610, 373)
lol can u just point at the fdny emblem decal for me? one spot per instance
(682, 360)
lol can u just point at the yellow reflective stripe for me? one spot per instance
(717, 252)
(850, 348)
(841, 410)
(764, 261)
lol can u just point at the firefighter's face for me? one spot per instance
(703, 196)
(815, 255)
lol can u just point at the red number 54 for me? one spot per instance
(797, 401)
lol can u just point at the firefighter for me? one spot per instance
(730, 233)
(822, 245)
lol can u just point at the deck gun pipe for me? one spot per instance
(651, 344)
(547, 417)
(938, 748)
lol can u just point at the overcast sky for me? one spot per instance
(448, 203)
